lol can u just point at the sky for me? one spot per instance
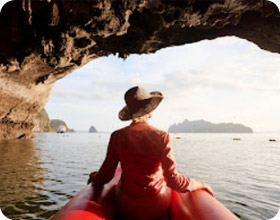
(222, 80)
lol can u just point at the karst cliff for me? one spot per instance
(43, 41)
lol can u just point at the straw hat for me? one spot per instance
(139, 103)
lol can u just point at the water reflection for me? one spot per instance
(21, 174)
(40, 176)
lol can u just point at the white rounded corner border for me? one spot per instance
(277, 216)
(276, 2)
(2, 216)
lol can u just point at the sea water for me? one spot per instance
(38, 177)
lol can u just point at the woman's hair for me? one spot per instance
(141, 118)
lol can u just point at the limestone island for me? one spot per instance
(202, 126)
(60, 126)
(92, 129)
(44, 124)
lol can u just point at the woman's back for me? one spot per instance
(146, 158)
(138, 147)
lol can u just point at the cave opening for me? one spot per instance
(223, 80)
(44, 41)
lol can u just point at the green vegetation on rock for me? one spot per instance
(202, 126)
(56, 123)
(44, 124)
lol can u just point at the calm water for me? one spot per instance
(39, 176)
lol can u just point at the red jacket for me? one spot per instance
(146, 158)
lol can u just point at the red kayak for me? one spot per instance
(98, 203)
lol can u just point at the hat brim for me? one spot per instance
(150, 105)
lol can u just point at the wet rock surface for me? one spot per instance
(43, 41)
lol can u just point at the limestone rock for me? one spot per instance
(202, 126)
(43, 41)
(42, 122)
(55, 124)
(92, 129)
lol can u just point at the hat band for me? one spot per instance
(137, 105)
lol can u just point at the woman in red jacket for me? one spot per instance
(145, 154)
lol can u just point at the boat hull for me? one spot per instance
(94, 203)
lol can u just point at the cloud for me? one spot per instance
(227, 79)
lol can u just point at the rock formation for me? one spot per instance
(42, 122)
(56, 123)
(202, 126)
(43, 41)
(92, 129)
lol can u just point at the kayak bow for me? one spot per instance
(94, 203)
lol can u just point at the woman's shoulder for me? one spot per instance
(120, 131)
(144, 127)
(157, 130)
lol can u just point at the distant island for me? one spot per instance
(92, 129)
(44, 124)
(56, 124)
(202, 126)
